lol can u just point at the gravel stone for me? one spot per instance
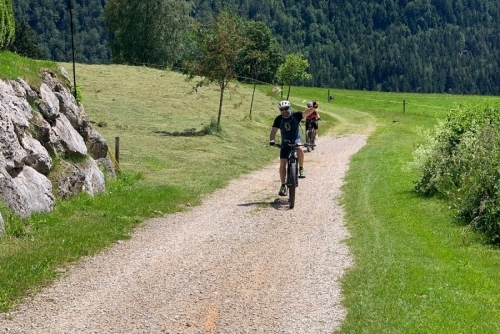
(241, 262)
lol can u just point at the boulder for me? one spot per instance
(36, 125)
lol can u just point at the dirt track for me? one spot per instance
(239, 263)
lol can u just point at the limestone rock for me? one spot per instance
(37, 124)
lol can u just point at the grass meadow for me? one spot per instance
(416, 270)
(13, 67)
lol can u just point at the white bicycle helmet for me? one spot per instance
(284, 104)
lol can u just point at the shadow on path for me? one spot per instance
(278, 204)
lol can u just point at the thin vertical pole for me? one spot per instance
(117, 149)
(72, 47)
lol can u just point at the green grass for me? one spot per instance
(415, 271)
(80, 227)
(13, 67)
(160, 122)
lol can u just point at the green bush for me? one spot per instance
(460, 162)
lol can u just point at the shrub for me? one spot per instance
(460, 162)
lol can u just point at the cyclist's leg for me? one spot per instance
(308, 128)
(315, 129)
(300, 157)
(284, 151)
(283, 170)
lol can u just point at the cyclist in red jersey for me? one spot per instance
(312, 119)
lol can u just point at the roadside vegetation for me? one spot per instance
(459, 162)
(417, 269)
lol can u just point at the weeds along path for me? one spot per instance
(241, 262)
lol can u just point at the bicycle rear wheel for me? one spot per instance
(309, 139)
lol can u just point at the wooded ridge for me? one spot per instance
(441, 46)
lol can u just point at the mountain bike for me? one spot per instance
(292, 170)
(310, 138)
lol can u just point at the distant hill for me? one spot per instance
(442, 46)
(51, 21)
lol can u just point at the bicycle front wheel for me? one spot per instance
(292, 183)
(291, 196)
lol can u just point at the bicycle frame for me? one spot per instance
(310, 140)
(292, 172)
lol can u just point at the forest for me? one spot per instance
(427, 46)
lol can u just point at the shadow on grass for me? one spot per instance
(278, 204)
(186, 133)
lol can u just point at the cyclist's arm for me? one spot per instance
(272, 135)
(307, 112)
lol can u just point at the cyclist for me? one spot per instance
(312, 119)
(288, 123)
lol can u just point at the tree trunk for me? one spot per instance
(222, 87)
(251, 103)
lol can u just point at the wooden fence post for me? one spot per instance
(117, 149)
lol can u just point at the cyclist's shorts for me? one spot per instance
(285, 151)
(312, 123)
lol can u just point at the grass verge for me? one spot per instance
(415, 270)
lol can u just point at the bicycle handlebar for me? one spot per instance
(278, 145)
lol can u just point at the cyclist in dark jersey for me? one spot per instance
(288, 123)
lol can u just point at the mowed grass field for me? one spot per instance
(159, 120)
(416, 271)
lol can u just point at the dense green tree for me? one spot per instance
(51, 22)
(258, 61)
(391, 45)
(366, 45)
(293, 70)
(219, 45)
(7, 23)
(150, 32)
(261, 57)
(26, 42)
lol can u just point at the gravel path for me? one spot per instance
(241, 262)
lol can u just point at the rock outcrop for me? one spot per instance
(49, 148)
